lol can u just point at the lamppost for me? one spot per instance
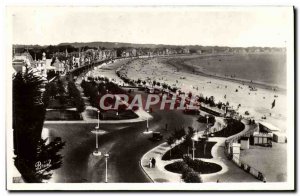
(97, 152)
(195, 138)
(207, 121)
(106, 155)
(97, 132)
(147, 122)
(98, 111)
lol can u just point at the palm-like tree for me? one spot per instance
(28, 116)
(28, 120)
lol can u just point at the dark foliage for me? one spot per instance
(233, 127)
(74, 94)
(28, 119)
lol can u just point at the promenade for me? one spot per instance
(229, 173)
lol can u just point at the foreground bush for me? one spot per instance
(185, 172)
(192, 177)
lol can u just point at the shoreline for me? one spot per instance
(191, 70)
(258, 103)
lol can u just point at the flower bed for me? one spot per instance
(179, 151)
(197, 165)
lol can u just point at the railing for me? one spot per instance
(228, 151)
(249, 169)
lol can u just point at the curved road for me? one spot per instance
(126, 144)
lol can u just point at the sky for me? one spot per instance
(207, 26)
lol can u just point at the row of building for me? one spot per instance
(62, 62)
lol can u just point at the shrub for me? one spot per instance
(185, 172)
(75, 95)
(178, 134)
(192, 177)
(164, 85)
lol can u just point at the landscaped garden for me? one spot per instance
(203, 150)
(197, 165)
(62, 115)
(60, 96)
(96, 87)
(185, 147)
(233, 127)
(189, 165)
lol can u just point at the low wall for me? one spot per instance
(236, 159)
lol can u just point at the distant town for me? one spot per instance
(62, 58)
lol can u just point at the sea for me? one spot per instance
(263, 68)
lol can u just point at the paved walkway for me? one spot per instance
(159, 173)
(229, 173)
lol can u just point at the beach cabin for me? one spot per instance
(245, 143)
(278, 136)
(262, 138)
(236, 150)
(267, 127)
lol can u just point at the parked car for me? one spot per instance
(156, 136)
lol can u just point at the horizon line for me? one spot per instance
(113, 42)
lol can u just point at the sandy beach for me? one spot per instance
(257, 103)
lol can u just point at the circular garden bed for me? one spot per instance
(199, 166)
(203, 150)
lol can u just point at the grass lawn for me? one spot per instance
(178, 151)
(62, 115)
(55, 104)
(233, 127)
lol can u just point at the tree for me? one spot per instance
(170, 142)
(164, 85)
(178, 133)
(211, 101)
(28, 120)
(62, 92)
(60, 87)
(191, 131)
(154, 83)
(188, 141)
(76, 96)
(47, 159)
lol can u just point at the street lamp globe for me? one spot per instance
(97, 132)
